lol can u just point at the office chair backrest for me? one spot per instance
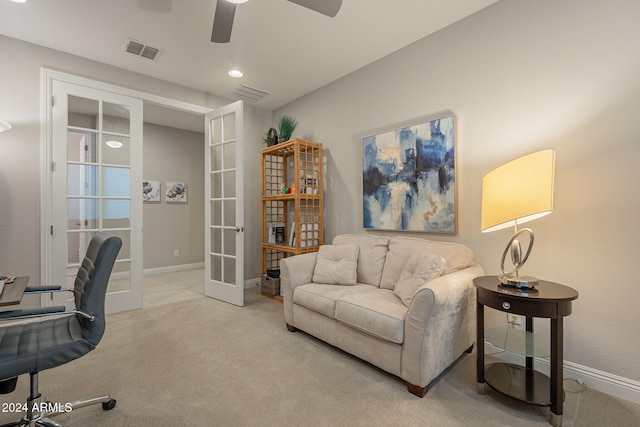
(91, 282)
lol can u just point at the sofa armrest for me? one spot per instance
(440, 325)
(294, 271)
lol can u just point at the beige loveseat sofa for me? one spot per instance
(406, 305)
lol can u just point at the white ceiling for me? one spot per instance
(282, 48)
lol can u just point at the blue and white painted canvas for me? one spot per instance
(408, 178)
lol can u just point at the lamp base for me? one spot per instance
(520, 282)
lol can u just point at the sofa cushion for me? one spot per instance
(322, 298)
(400, 249)
(420, 268)
(377, 312)
(336, 265)
(371, 256)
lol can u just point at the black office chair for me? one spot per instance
(62, 337)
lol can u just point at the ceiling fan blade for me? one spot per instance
(223, 22)
(326, 7)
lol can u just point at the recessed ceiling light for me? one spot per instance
(19, 1)
(236, 73)
(114, 144)
(237, 1)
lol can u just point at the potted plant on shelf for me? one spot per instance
(286, 126)
(271, 138)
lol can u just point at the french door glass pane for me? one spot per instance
(216, 212)
(82, 214)
(81, 146)
(216, 267)
(82, 180)
(120, 279)
(115, 182)
(230, 213)
(116, 118)
(116, 150)
(230, 155)
(216, 158)
(116, 213)
(229, 241)
(229, 270)
(216, 185)
(216, 131)
(229, 179)
(83, 112)
(216, 240)
(229, 127)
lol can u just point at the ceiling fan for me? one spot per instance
(226, 9)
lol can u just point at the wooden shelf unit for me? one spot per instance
(296, 162)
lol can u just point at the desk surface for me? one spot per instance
(12, 292)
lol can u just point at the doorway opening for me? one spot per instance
(173, 238)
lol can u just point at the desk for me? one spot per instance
(549, 300)
(12, 292)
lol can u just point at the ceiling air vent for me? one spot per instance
(247, 93)
(141, 49)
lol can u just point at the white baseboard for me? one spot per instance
(605, 382)
(172, 268)
(251, 282)
(182, 267)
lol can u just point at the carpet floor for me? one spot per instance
(201, 362)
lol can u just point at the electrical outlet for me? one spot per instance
(176, 252)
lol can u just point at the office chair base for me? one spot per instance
(42, 419)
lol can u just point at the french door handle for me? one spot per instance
(239, 229)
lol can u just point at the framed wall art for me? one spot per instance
(176, 192)
(151, 191)
(409, 177)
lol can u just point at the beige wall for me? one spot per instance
(520, 76)
(174, 155)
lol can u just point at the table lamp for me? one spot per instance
(512, 194)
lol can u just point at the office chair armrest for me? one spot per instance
(32, 312)
(45, 289)
(42, 312)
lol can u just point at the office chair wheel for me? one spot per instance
(107, 406)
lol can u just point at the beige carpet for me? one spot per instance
(202, 362)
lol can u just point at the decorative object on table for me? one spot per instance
(176, 192)
(286, 126)
(151, 191)
(512, 194)
(408, 178)
(271, 138)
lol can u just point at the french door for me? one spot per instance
(224, 240)
(96, 179)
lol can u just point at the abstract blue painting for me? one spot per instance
(409, 180)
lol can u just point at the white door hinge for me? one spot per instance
(53, 100)
(53, 166)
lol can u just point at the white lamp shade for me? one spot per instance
(518, 191)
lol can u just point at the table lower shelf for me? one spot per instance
(517, 381)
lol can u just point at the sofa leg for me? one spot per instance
(291, 328)
(469, 350)
(417, 390)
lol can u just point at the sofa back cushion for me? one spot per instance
(457, 257)
(336, 265)
(371, 257)
(420, 268)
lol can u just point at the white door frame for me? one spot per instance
(47, 76)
